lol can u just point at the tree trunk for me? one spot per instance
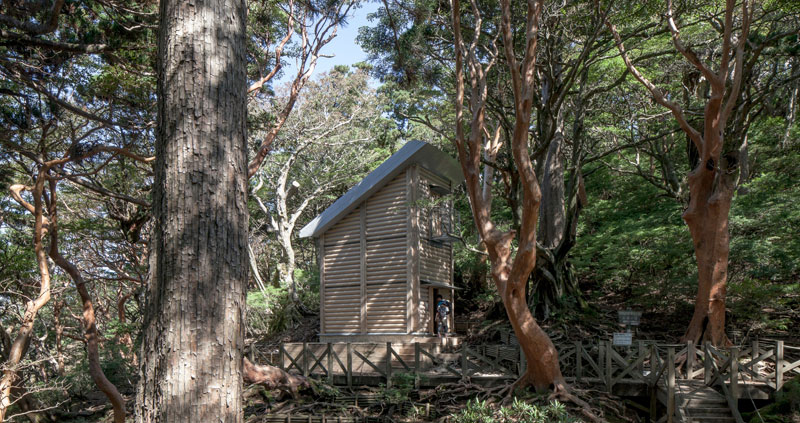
(90, 335)
(23, 339)
(58, 327)
(510, 275)
(711, 192)
(193, 332)
(288, 266)
(792, 112)
(552, 213)
(711, 180)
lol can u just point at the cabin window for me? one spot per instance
(440, 212)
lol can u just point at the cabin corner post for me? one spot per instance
(321, 259)
(413, 254)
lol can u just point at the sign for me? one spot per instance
(624, 339)
(629, 317)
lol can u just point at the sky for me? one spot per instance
(344, 47)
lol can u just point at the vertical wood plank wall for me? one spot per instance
(374, 257)
(341, 277)
(387, 290)
(412, 249)
(435, 258)
(365, 266)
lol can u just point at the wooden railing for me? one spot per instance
(763, 364)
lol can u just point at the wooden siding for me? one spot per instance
(386, 258)
(365, 265)
(424, 312)
(435, 263)
(375, 256)
(341, 279)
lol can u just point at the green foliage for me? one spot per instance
(273, 311)
(402, 386)
(785, 408)
(633, 241)
(477, 411)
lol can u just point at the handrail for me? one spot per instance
(732, 402)
(590, 362)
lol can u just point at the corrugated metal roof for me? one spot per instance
(412, 152)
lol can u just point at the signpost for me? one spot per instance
(627, 318)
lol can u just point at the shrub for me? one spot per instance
(478, 411)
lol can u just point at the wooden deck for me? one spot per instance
(683, 378)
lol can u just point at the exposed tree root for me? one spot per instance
(272, 378)
(562, 393)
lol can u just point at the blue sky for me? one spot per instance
(344, 47)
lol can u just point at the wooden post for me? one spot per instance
(330, 363)
(641, 354)
(253, 353)
(416, 365)
(305, 359)
(601, 361)
(708, 367)
(388, 364)
(653, 367)
(464, 365)
(735, 372)
(281, 352)
(690, 356)
(578, 361)
(653, 403)
(609, 366)
(670, 384)
(349, 369)
(754, 355)
(779, 365)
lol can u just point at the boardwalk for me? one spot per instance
(693, 383)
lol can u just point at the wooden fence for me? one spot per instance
(646, 368)
(761, 364)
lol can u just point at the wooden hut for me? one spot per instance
(386, 250)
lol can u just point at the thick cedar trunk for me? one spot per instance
(193, 332)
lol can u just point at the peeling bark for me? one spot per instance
(510, 272)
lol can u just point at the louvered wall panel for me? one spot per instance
(342, 276)
(345, 231)
(424, 311)
(386, 228)
(435, 263)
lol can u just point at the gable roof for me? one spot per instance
(413, 152)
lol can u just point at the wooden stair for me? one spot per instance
(698, 403)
